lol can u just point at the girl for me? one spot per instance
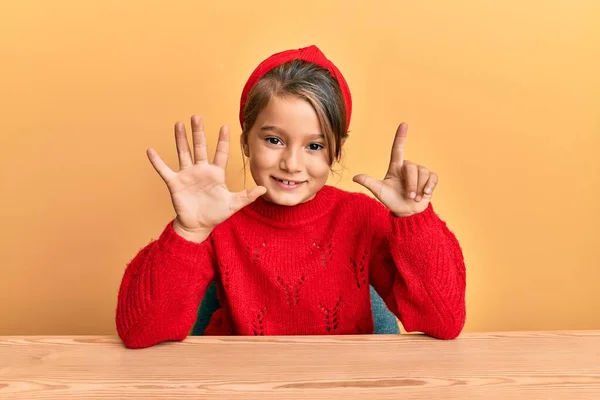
(293, 256)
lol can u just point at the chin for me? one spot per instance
(287, 199)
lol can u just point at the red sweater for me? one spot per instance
(302, 270)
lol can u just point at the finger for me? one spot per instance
(397, 156)
(159, 165)
(410, 174)
(245, 197)
(183, 148)
(370, 183)
(431, 184)
(199, 140)
(222, 152)
(421, 182)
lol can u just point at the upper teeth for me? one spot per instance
(287, 182)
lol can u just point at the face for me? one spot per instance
(286, 151)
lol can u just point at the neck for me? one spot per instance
(299, 214)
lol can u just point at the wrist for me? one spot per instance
(197, 235)
(403, 215)
(411, 213)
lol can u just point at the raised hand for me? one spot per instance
(407, 187)
(198, 191)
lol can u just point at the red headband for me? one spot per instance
(310, 54)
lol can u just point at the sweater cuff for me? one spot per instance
(181, 248)
(416, 223)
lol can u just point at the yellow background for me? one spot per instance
(502, 101)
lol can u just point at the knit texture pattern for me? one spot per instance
(302, 270)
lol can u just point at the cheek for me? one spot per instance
(262, 158)
(319, 167)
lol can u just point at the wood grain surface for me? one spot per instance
(515, 365)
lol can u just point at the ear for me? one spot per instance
(244, 144)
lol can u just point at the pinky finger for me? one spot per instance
(431, 184)
(159, 165)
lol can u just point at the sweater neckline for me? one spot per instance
(299, 214)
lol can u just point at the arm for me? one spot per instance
(162, 288)
(163, 285)
(418, 269)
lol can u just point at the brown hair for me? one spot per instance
(309, 82)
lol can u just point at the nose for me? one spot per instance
(291, 161)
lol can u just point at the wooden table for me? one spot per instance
(518, 365)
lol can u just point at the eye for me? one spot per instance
(316, 146)
(273, 140)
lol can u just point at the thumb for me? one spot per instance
(247, 196)
(370, 183)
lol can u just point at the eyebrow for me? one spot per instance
(280, 131)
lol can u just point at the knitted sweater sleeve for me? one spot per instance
(418, 269)
(162, 288)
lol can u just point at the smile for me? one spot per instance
(287, 184)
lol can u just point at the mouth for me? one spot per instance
(288, 183)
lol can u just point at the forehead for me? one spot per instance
(290, 114)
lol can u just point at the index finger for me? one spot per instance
(222, 152)
(397, 157)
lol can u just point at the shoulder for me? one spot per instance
(359, 213)
(357, 198)
(357, 202)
